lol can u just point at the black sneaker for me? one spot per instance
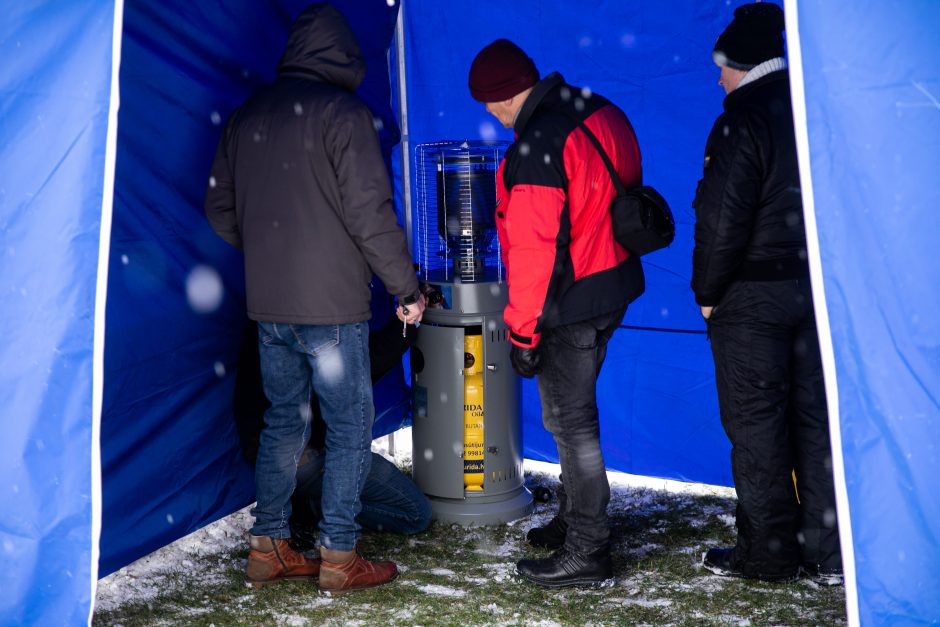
(551, 536)
(722, 563)
(565, 568)
(822, 576)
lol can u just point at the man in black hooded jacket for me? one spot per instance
(751, 278)
(299, 184)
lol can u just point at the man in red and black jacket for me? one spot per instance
(569, 281)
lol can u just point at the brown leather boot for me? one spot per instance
(342, 571)
(273, 560)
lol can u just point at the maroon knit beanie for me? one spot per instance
(500, 71)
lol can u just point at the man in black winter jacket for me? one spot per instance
(299, 184)
(751, 278)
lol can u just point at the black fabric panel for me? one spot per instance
(596, 294)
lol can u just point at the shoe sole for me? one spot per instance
(342, 591)
(724, 572)
(576, 583)
(826, 581)
(257, 585)
(721, 572)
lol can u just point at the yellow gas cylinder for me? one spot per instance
(473, 413)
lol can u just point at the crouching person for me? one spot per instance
(299, 184)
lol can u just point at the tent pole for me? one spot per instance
(405, 145)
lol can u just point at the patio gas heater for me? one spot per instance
(467, 431)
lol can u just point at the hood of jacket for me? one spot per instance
(321, 46)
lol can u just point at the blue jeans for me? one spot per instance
(331, 361)
(390, 500)
(572, 356)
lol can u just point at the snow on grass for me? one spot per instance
(457, 575)
(442, 591)
(640, 602)
(163, 570)
(501, 572)
(490, 549)
(644, 550)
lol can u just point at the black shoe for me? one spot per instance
(823, 576)
(722, 562)
(551, 536)
(565, 567)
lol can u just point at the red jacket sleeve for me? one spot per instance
(527, 220)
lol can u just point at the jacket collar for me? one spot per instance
(541, 89)
(733, 99)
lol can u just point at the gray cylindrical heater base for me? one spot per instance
(482, 511)
(460, 490)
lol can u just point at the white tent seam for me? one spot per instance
(101, 293)
(405, 143)
(798, 97)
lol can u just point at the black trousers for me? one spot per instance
(773, 409)
(572, 356)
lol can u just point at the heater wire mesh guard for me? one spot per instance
(454, 222)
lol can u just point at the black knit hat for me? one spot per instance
(754, 35)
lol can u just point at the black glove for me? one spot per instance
(527, 362)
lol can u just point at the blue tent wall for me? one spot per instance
(873, 120)
(175, 317)
(656, 393)
(872, 93)
(55, 85)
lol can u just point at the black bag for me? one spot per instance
(641, 218)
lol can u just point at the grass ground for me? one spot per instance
(452, 575)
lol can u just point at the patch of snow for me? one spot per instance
(442, 591)
(486, 547)
(160, 572)
(492, 608)
(622, 479)
(643, 551)
(641, 602)
(502, 571)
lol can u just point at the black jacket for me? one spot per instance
(748, 209)
(299, 184)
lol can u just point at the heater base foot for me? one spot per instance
(483, 511)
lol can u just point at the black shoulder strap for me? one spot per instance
(618, 184)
